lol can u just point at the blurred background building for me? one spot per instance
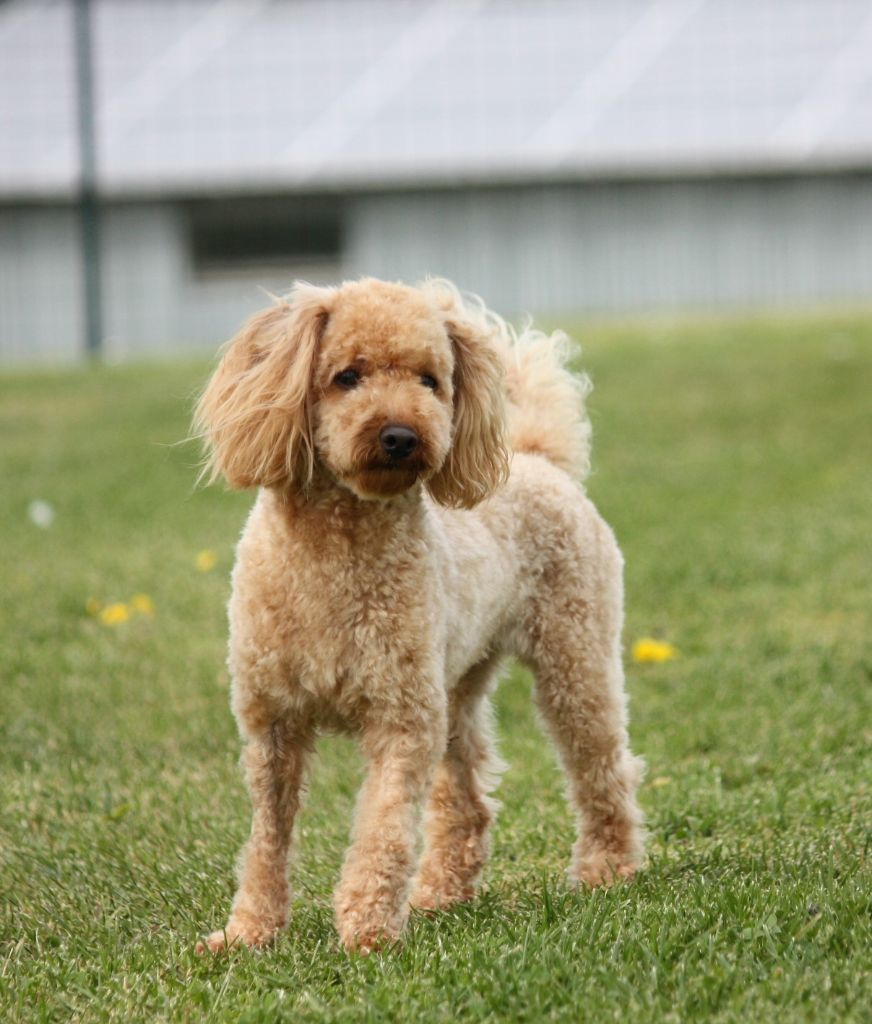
(557, 156)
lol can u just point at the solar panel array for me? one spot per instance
(205, 94)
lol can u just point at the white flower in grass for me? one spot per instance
(40, 513)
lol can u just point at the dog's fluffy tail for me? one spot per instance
(547, 414)
(546, 400)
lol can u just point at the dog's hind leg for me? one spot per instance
(459, 811)
(274, 759)
(573, 641)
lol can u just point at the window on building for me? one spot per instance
(302, 238)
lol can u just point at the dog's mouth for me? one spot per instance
(385, 479)
(381, 477)
(372, 472)
(382, 465)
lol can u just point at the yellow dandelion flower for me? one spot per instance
(93, 606)
(114, 614)
(206, 560)
(661, 780)
(647, 650)
(142, 604)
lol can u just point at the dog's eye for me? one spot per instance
(429, 382)
(348, 379)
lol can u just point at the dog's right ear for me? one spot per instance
(254, 416)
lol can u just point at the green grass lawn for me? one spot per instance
(734, 461)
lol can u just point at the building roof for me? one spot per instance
(205, 95)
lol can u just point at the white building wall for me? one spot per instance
(157, 304)
(558, 251)
(40, 285)
(143, 280)
(631, 247)
(154, 302)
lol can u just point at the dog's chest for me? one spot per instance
(353, 625)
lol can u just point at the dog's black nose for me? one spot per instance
(398, 442)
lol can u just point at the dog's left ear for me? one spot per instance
(478, 460)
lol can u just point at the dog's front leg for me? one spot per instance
(274, 758)
(371, 901)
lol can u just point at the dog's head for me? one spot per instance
(377, 385)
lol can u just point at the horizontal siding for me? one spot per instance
(632, 246)
(560, 250)
(40, 285)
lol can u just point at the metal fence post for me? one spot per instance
(88, 196)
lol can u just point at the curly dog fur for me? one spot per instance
(419, 518)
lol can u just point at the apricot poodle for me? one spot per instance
(419, 518)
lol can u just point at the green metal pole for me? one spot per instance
(88, 197)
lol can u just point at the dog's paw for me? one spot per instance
(430, 898)
(365, 941)
(602, 870)
(365, 934)
(236, 934)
